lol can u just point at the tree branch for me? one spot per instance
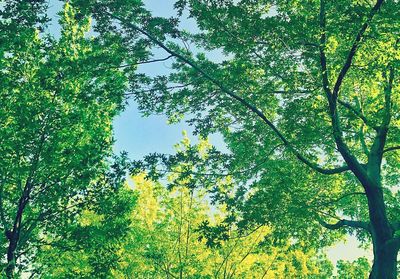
(396, 226)
(251, 249)
(378, 146)
(362, 140)
(270, 265)
(290, 92)
(322, 45)
(388, 102)
(2, 212)
(135, 64)
(343, 223)
(357, 113)
(155, 89)
(344, 150)
(354, 49)
(343, 197)
(392, 148)
(230, 93)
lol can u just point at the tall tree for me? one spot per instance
(306, 99)
(58, 99)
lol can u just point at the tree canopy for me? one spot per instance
(305, 98)
(58, 99)
(162, 236)
(304, 94)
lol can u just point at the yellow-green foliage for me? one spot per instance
(165, 242)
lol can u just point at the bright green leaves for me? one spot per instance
(91, 246)
(357, 269)
(255, 77)
(171, 233)
(58, 99)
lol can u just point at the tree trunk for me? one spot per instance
(385, 262)
(385, 245)
(14, 235)
(11, 259)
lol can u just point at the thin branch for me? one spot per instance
(283, 92)
(226, 257)
(241, 100)
(249, 251)
(388, 103)
(248, 233)
(270, 265)
(165, 269)
(42, 242)
(134, 64)
(357, 113)
(256, 167)
(155, 89)
(43, 216)
(362, 140)
(343, 197)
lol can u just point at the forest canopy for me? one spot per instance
(304, 95)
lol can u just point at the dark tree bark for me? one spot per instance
(385, 261)
(385, 245)
(14, 235)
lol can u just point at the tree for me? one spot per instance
(172, 236)
(305, 97)
(58, 99)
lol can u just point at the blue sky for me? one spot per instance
(140, 136)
